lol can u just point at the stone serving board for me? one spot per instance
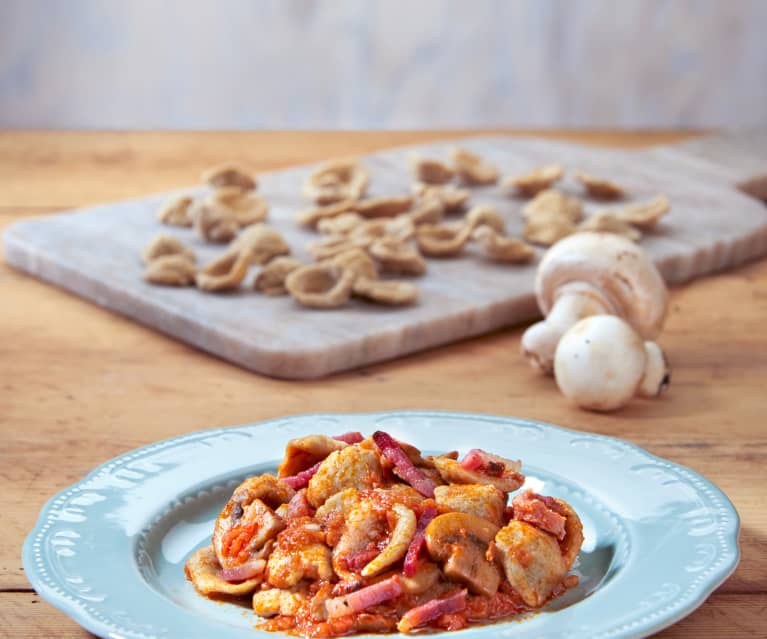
(94, 253)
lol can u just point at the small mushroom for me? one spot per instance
(460, 541)
(601, 363)
(593, 274)
(321, 285)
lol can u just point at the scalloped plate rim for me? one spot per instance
(102, 629)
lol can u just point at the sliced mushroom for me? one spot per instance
(460, 541)
(164, 244)
(502, 249)
(607, 222)
(535, 181)
(599, 187)
(271, 280)
(261, 243)
(175, 211)
(320, 285)
(430, 171)
(213, 223)
(399, 540)
(471, 169)
(487, 215)
(171, 270)
(388, 292)
(229, 175)
(225, 273)
(246, 207)
(442, 240)
(398, 257)
(337, 180)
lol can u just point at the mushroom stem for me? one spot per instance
(657, 375)
(574, 302)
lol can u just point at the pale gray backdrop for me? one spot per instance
(382, 63)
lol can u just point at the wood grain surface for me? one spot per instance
(79, 385)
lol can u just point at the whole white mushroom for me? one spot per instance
(593, 274)
(601, 363)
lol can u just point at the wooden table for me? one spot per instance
(79, 385)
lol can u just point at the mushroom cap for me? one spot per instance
(600, 363)
(611, 268)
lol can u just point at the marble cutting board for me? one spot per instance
(94, 253)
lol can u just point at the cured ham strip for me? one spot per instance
(540, 511)
(431, 610)
(243, 572)
(419, 539)
(298, 506)
(352, 437)
(480, 461)
(301, 480)
(404, 467)
(364, 598)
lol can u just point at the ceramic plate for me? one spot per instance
(110, 550)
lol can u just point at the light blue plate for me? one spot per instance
(110, 550)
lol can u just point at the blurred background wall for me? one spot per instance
(382, 63)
